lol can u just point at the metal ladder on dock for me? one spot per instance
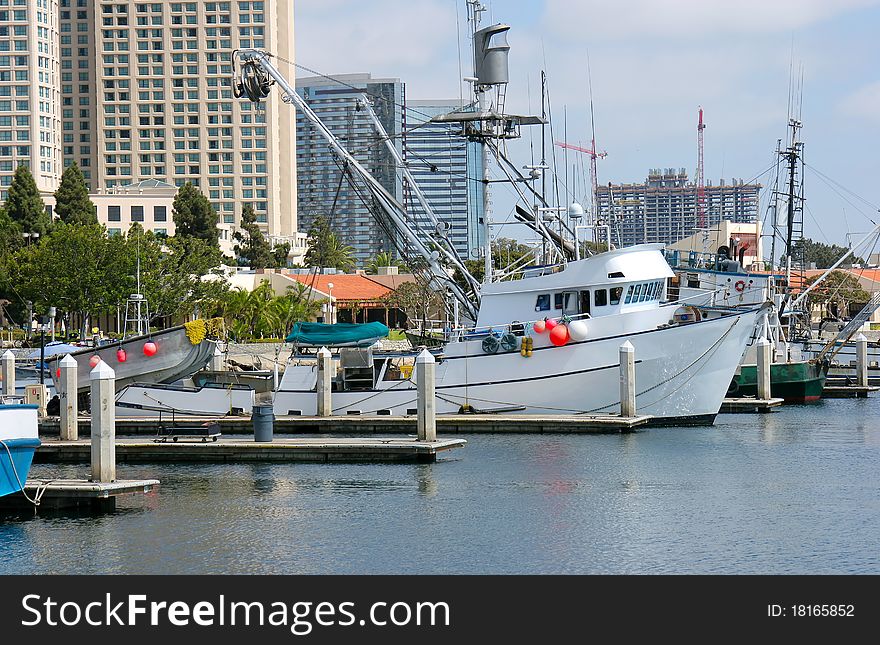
(836, 344)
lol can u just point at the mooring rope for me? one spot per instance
(41, 488)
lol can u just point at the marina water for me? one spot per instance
(794, 491)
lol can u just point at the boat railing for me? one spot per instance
(515, 327)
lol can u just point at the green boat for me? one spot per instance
(796, 382)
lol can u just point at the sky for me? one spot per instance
(653, 64)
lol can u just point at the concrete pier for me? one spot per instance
(426, 408)
(75, 493)
(325, 382)
(7, 371)
(627, 354)
(68, 399)
(103, 438)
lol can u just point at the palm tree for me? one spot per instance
(325, 248)
(383, 259)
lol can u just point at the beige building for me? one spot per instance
(147, 96)
(30, 97)
(744, 237)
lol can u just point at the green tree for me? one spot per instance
(418, 300)
(280, 253)
(172, 272)
(24, 206)
(836, 293)
(253, 248)
(506, 253)
(384, 259)
(72, 203)
(77, 268)
(823, 255)
(251, 315)
(194, 216)
(325, 248)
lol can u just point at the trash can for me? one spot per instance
(263, 418)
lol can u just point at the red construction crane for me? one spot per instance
(594, 181)
(701, 184)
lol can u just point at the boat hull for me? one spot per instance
(177, 358)
(682, 375)
(18, 441)
(167, 401)
(796, 382)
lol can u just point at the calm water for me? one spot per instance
(796, 491)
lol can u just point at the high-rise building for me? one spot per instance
(322, 185)
(146, 93)
(664, 208)
(448, 168)
(30, 98)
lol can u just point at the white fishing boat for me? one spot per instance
(510, 360)
(18, 441)
(683, 368)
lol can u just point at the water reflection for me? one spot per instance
(789, 492)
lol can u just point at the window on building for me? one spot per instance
(114, 214)
(137, 213)
(159, 214)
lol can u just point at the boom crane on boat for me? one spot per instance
(253, 77)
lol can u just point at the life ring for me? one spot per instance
(740, 286)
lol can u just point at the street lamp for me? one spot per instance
(332, 308)
(30, 236)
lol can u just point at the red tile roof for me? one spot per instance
(345, 287)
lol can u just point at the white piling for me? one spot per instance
(426, 408)
(627, 356)
(67, 395)
(325, 382)
(861, 360)
(103, 393)
(8, 372)
(765, 359)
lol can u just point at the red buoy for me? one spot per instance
(94, 360)
(540, 327)
(121, 356)
(58, 373)
(150, 348)
(559, 335)
(550, 324)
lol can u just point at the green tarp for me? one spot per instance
(338, 335)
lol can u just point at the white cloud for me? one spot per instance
(863, 103)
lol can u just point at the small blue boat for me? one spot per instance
(18, 441)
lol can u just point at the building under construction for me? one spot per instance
(664, 208)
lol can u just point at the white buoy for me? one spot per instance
(578, 330)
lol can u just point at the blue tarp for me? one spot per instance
(338, 335)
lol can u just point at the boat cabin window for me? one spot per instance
(557, 300)
(601, 297)
(570, 303)
(643, 292)
(585, 302)
(543, 302)
(615, 294)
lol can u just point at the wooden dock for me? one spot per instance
(237, 450)
(848, 391)
(75, 493)
(749, 404)
(379, 424)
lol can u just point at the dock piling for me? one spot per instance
(67, 395)
(8, 372)
(426, 381)
(627, 354)
(325, 367)
(861, 361)
(764, 360)
(103, 439)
